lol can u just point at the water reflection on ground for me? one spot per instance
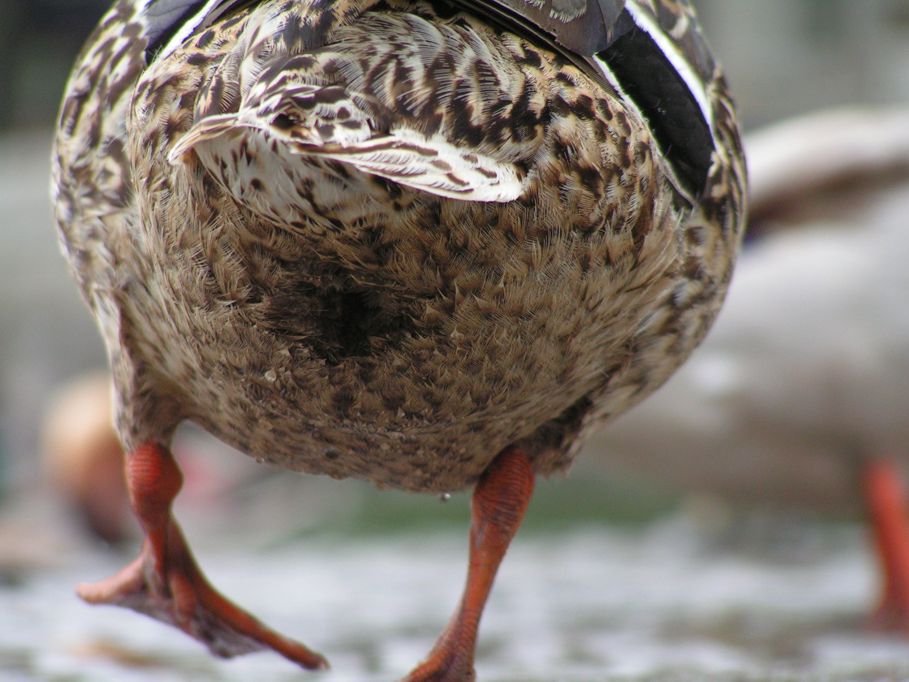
(589, 605)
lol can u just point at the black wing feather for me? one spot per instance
(663, 97)
(163, 18)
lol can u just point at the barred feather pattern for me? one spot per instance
(384, 239)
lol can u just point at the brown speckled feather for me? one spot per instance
(386, 239)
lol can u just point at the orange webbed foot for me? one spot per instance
(165, 582)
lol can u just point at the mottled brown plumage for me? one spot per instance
(388, 239)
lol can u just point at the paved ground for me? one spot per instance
(666, 603)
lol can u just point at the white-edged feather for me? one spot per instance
(188, 28)
(409, 158)
(429, 164)
(676, 57)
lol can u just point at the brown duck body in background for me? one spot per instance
(396, 241)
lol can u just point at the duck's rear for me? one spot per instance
(421, 243)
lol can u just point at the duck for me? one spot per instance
(82, 458)
(796, 401)
(429, 244)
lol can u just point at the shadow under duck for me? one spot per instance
(428, 244)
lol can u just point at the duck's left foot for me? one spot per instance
(499, 502)
(887, 506)
(165, 582)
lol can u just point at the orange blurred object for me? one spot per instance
(83, 458)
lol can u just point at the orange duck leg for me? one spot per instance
(886, 500)
(499, 501)
(165, 582)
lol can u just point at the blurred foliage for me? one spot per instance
(39, 39)
(558, 504)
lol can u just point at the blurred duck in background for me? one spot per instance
(800, 395)
(83, 457)
(83, 463)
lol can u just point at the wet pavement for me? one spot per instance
(596, 604)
